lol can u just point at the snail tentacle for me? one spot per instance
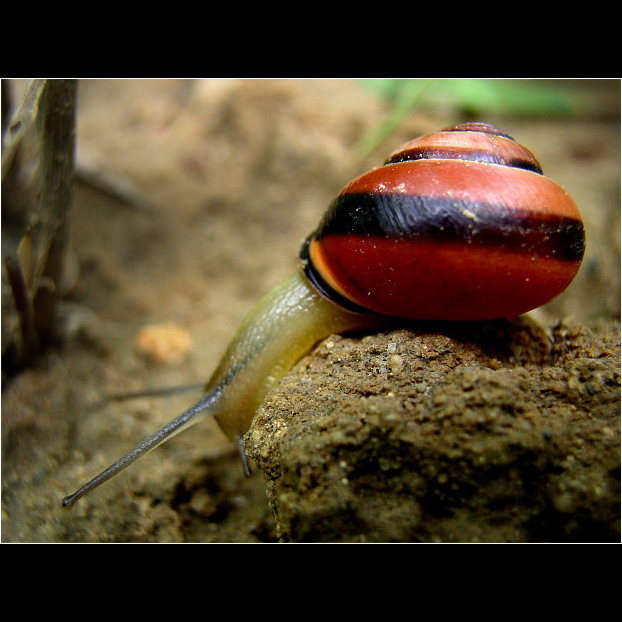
(187, 418)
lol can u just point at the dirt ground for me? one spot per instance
(496, 432)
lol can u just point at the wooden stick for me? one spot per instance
(56, 169)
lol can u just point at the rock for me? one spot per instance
(492, 432)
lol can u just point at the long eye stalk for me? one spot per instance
(175, 426)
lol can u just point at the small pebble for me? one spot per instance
(166, 343)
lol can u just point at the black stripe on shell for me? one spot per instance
(445, 153)
(440, 219)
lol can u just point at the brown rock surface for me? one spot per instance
(487, 433)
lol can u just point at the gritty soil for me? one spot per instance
(495, 432)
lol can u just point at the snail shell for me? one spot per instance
(457, 225)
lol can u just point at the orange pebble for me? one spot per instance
(166, 343)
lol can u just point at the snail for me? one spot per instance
(456, 225)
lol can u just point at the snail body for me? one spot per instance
(279, 331)
(456, 225)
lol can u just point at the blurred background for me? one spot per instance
(191, 200)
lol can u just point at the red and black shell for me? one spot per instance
(457, 225)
